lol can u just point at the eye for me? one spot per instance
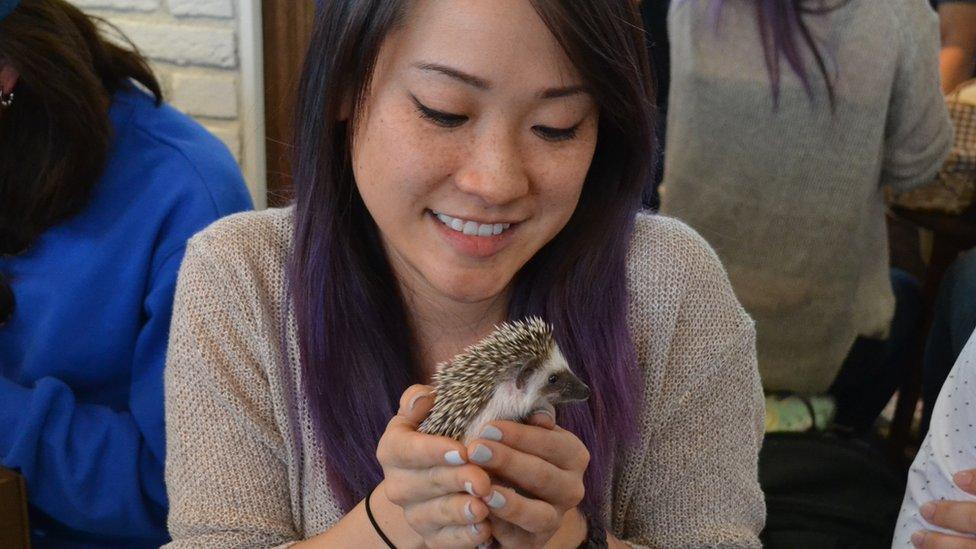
(443, 119)
(556, 135)
(553, 379)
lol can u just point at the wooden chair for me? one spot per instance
(14, 531)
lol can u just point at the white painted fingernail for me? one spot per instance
(481, 454)
(468, 513)
(469, 488)
(491, 433)
(485, 545)
(454, 458)
(413, 401)
(475, 529)
(496, 501)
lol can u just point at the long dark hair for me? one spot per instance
(55, 137)
(353, 332)
(784, 33)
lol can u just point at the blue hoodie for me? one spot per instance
(81, 360)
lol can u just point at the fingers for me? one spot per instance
(935, 540)
(530, 473)
(406, 486)
(966, 480)
(959, 516)
(556, 446)
(531, 515)
(544, 417)
(508, 535)
(460, 536)
(452, 510)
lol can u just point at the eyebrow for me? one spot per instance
(482, 84)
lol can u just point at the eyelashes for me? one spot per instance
(450, 121)
(443, 119)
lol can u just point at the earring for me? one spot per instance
(6, 99)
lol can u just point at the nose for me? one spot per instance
(495, 171)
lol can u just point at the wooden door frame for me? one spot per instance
(287, 26)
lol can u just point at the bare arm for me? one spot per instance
(957, 59)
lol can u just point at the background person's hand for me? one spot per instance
(544, 465)
(428, 476)
(958, 516)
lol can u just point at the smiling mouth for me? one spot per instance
(471, 228)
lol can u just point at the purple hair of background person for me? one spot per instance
(354, 338)
(785, 34)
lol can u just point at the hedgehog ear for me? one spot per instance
(525, 371)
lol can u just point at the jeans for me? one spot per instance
(953, 322)
(875, 368)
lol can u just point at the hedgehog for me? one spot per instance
(515, 371)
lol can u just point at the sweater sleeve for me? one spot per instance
(918, 133)
(701, 482)
(225, 469)
(101, 468)
(692, 480)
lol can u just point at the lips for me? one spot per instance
(471, 228)
(473, 239)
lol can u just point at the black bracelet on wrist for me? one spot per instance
(372, 520)
(596, 535)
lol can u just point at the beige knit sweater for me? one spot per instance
(243, 468)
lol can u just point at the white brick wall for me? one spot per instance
(195, 48)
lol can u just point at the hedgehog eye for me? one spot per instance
(553, 379)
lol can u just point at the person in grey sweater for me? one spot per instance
(778, 156)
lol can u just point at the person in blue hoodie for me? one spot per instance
(101, 185)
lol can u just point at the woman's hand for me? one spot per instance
(959, 516)
(545, 463)
(428, 476)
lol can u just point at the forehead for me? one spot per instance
(502, 41)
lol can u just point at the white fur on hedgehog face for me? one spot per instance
(511, 403)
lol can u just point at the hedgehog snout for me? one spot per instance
(574, 390)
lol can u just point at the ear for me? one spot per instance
(8, 77)
(525, 371)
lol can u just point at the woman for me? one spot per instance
(786, 120)
(459, 164)
(100, 187)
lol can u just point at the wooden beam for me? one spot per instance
(287, 29)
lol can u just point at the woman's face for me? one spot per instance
(473, 146)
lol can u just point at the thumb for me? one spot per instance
(416, 402)
(544, 416)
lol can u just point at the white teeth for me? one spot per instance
(472, 228)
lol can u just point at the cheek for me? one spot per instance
(559, 176)
(395, 159)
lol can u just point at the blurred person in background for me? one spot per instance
(785, 121)
(101, 185)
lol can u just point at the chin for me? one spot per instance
(473, 289)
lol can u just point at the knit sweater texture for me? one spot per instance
(244, 468)
(791, 194)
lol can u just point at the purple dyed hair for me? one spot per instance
(354, 338)
(781, 29)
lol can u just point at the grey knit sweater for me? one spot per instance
(791, 198)
(243, 468)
